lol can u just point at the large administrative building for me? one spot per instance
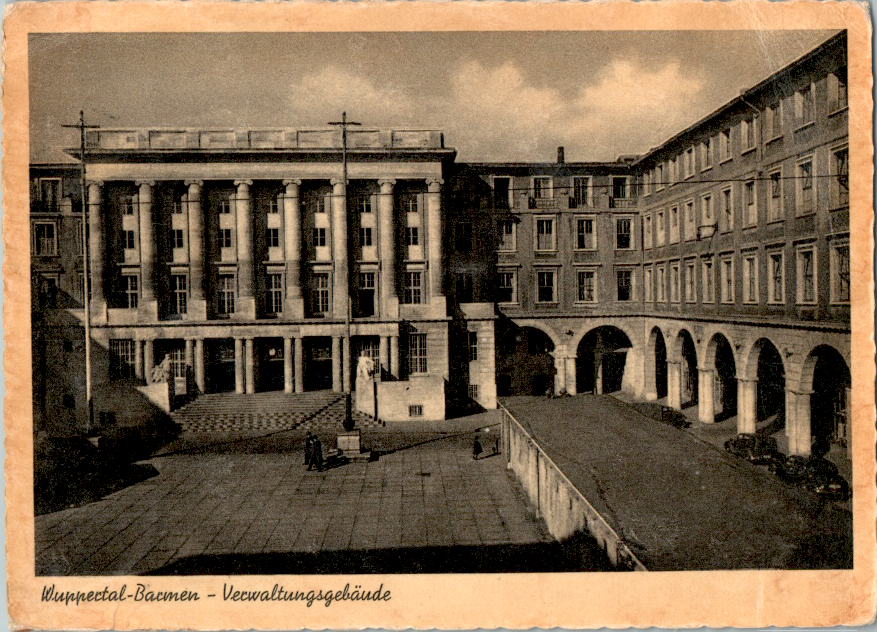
(711, 272)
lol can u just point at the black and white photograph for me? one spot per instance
(440, 302)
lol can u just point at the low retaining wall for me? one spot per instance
(564, 509)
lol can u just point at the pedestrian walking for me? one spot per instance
(309, 449)
(476, 447)
(317, 453)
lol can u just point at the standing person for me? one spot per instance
(309, 449)
(476, 447)
(317, 453)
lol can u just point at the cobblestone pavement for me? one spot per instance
(247, 505)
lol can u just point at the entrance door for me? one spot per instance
(220, 366)
(318, 364)
(270, 364)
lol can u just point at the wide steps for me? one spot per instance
(224, 412)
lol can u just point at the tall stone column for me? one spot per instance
(394, 356)
(559, 373)
(246, 307)
(798, 422)
(200, 382)
(339, 249)
(434, 230)
(138, 359)
(746, 402)
(384, 355)
(298, 360)
(147, 247)
(238, 365)
(249, 366)
(706, 384)
(345, 364)
(674, 384)
(292, 247)
(148, 361)
(336, 363)
(389, 307)
(96, 248)
(287, 365)
(197, 309)
(571, 375)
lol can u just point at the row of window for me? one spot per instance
(580, 190)
(743, 138)
(677, 281)
(547, 286)
(545, 233)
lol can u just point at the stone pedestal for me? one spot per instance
(349, 445)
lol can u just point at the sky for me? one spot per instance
(498, 96)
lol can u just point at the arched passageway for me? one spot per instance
(688, 395)
(725, 395)
(659, 348)
(829, 402)
(524, 363)
(771, 390)
(602, 354)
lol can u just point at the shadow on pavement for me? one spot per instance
(578, 554)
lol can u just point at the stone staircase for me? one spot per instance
(272, 411)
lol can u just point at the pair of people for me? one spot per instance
(313, 452)
(477, 448)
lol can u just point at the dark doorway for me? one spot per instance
(602, 355)
(660, 364)
(525, 365)
(269, 364)
(318, 363)
(688, 353)
(829, 405)
(220, 365)
(771, 375)
(726, 379)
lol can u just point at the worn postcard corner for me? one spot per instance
(439, 316)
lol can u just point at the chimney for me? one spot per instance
(560, 155)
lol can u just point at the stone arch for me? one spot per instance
(591, 325)
(719, 357)
(525, 360)
(601, 359)
(826, 377)
(685, 353)
(541, 326)
(764, 363)
(655, 365)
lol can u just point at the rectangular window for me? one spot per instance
(463, 286)
(415, 410)
(775, 197)
(365, 236)
(320, 292)
(129, 241)
(674, 224)
(50, 193)
(273, 206)
(272, 237)
(647, 231)
(412, 235)
(727, 209)
(623, 233)
(463, 236)
(45, 240)
(690, 227)
(840, 272)
(541, 187)
(806, 275)
(751, 203)
(750, 279)
(413, 288)
(581, 191)
(417, 353)
(316, 202)
(122, 356)
(689, 162)
(319, 237)
(648, 285)
(774, 121)
(274, 293)
(545, 234)
(706, 153)
(804, 190)
(661, 284)
(177, 207)
(177, 360)
(619, 188)
(726, 274)
(472, 344)
(624, 285)
(585, 237)
(180, 289)
(659, 177)
(776, 289)
(840, 181)
(227, 293)
(804, 110)
(177, 238)
(507, 287)
(225, 205)
(706, 210)
(409, 201)
(366, 294)
(662, 228)
(674, 282)
(364, 203)
(507, 235)
(725, 145)
(545, 286)
(690, 283)
(225, 240)
(131, 289)
(747, 134)
(502, 193)
(587, 291)
(126, 204)
(707, 282)
(837, 90)
(473, 391)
